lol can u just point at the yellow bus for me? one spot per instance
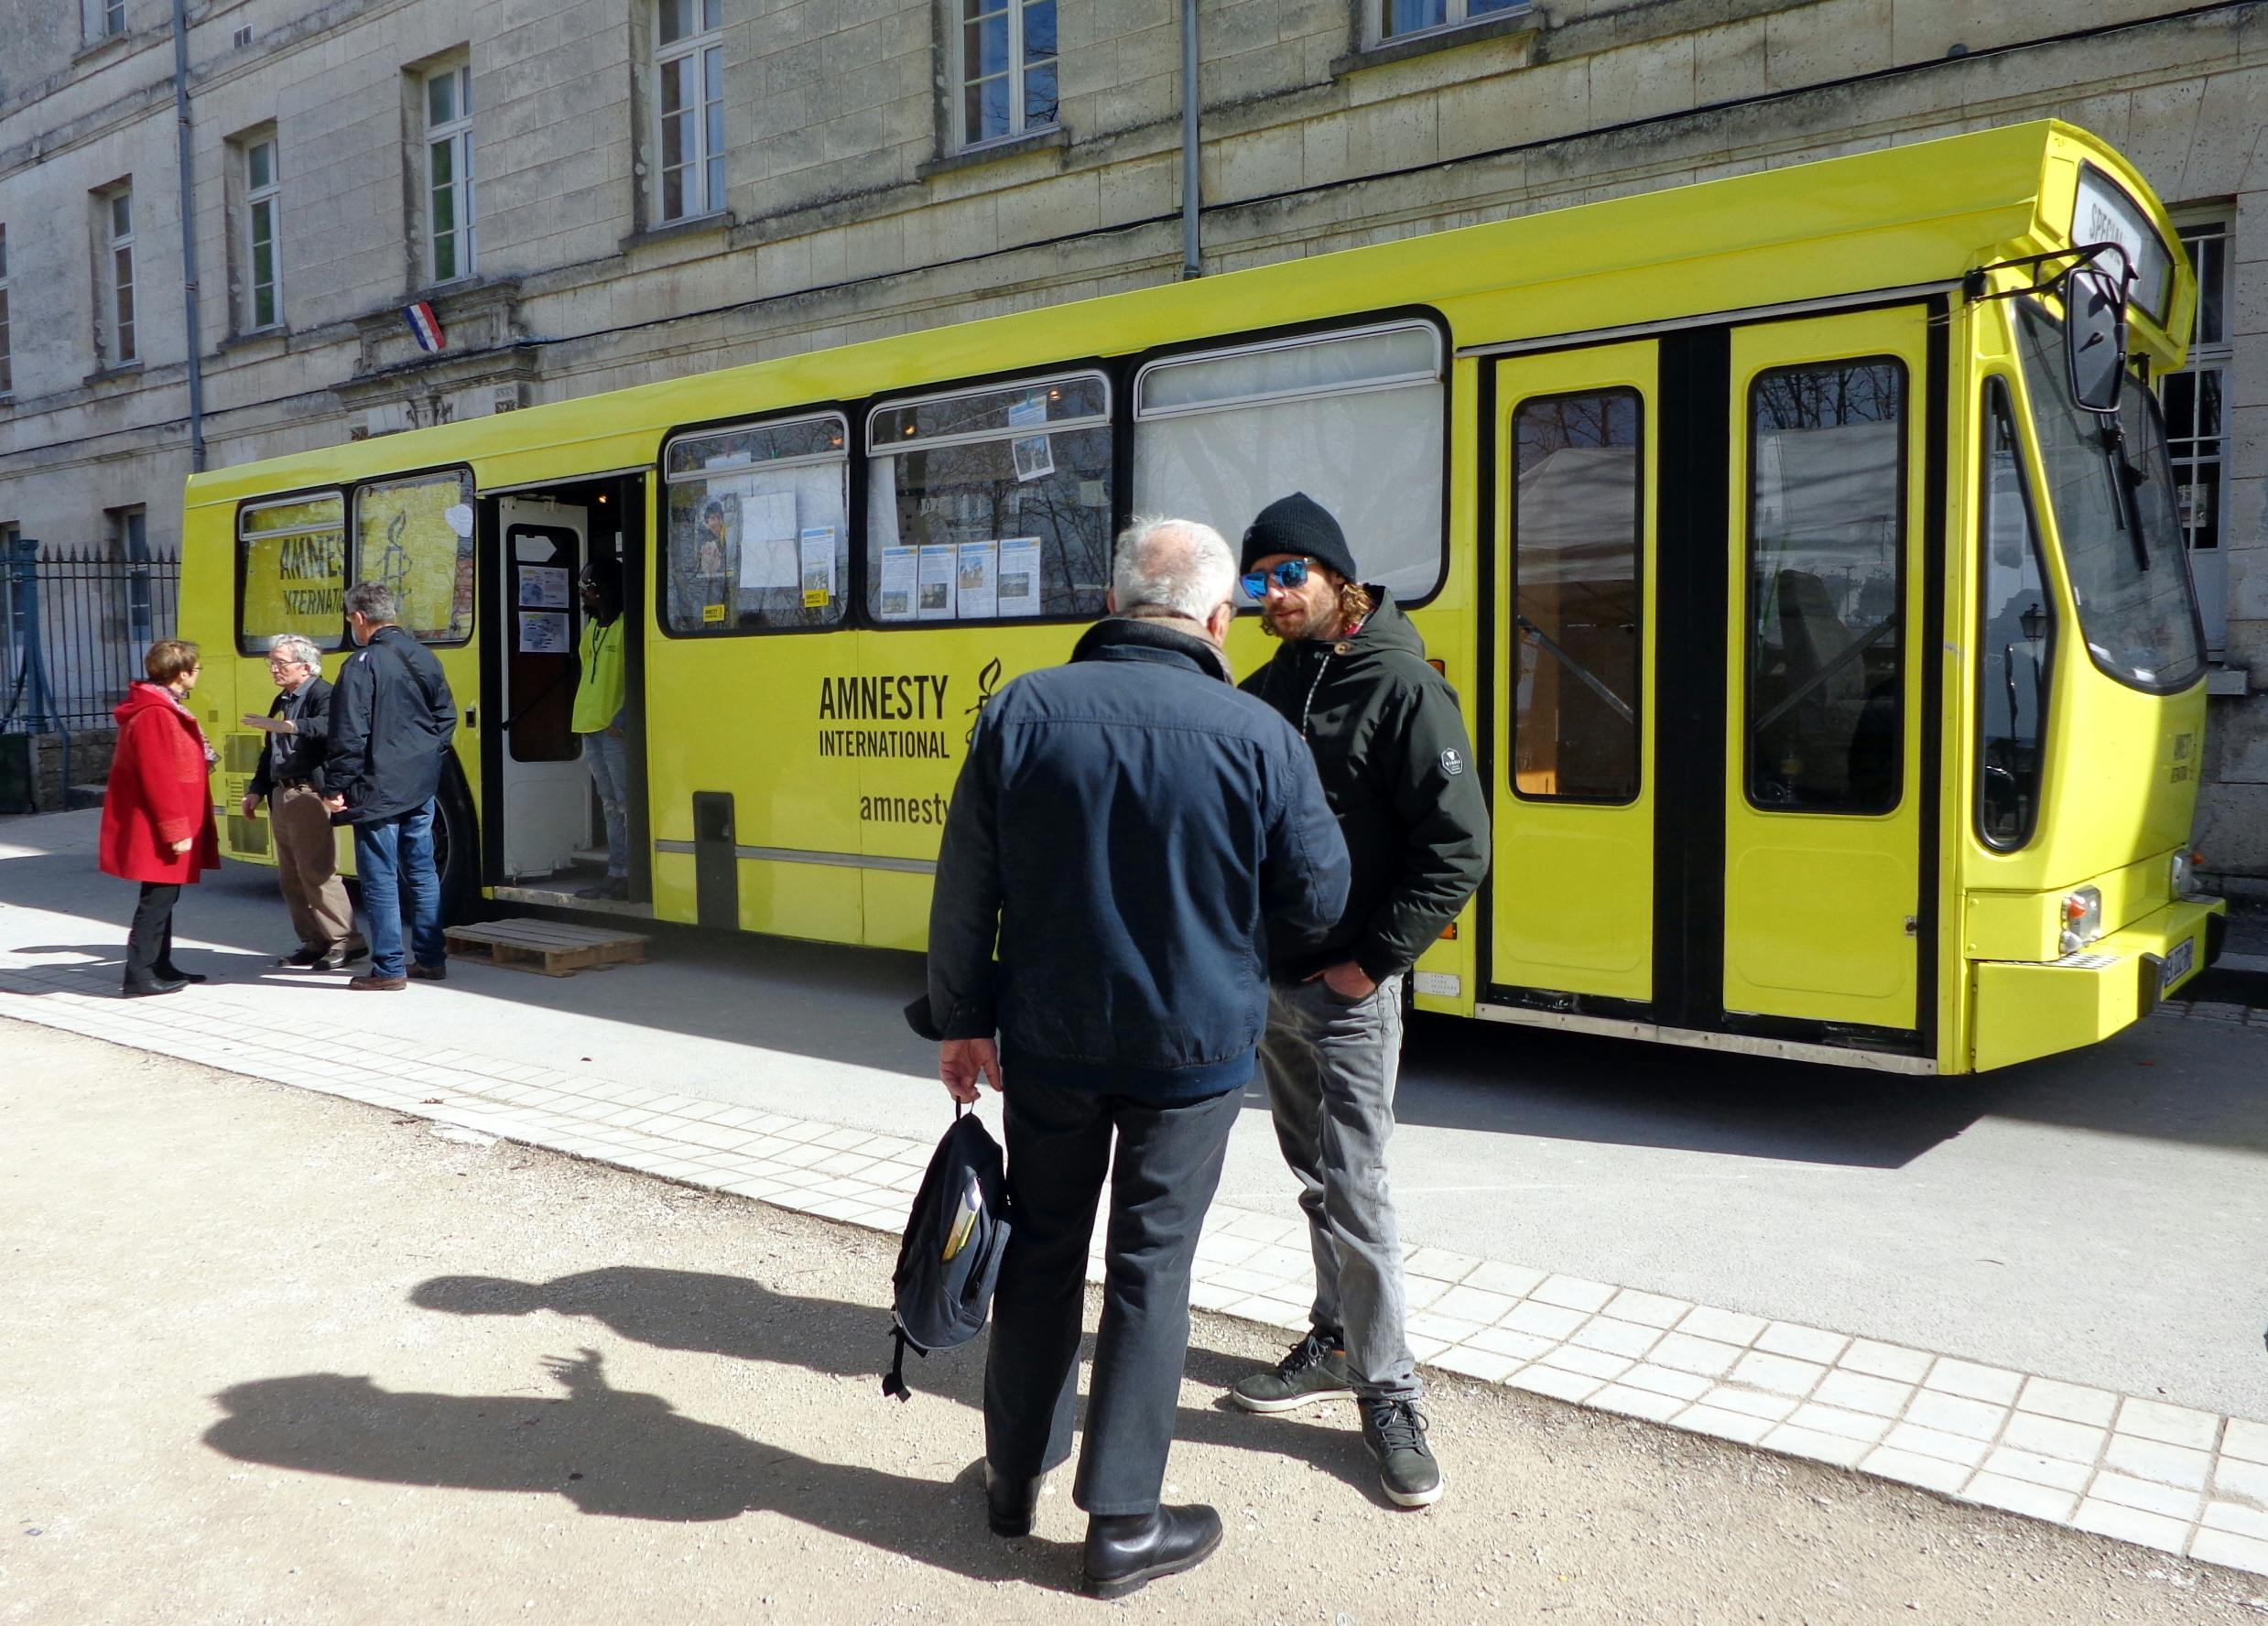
(1835, 669)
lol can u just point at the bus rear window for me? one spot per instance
(415, 535)
(293, 572)
(2138, 612)
(759, 536)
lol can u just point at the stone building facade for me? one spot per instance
(595, 193)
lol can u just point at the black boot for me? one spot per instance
(1009, 1501)
(169, 972)
(1124, 1551)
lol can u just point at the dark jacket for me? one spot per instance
(1128, 826)
(300, 755)
(1397, 767)
(390, 722)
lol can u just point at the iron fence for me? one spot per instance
(74, 624)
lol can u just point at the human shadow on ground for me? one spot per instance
(709, 1313)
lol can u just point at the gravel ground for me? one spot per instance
(273, 1357)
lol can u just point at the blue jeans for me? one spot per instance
(609, 756)
(394, 859)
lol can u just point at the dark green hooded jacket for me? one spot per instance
(1397, 770)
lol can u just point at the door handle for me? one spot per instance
(471, 717)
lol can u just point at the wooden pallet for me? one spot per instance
(552, 948)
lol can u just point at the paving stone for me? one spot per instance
(1834, 1420)
(2021, 1496)
(1885, 1361)
(1991, 1383)
(2237, 1551)
(1505, 1340)
(1556, 1381)
(2236, 1518)
(2132, 1524)
(2052, 1436)
(1726, 1327)
(1935, 1441)
(2151, 1459)
(1931, 1473)
(1637, 1402)
(1954, 1414)
(1650, 1309)
(1858, 1393)
(1687, 1353)
(1551, 1321)
(1572, 1293)
(1778, 1374)
(1663, 1381)
(1750, 1402)
(2245, 1481)
(1620, 1338)
(2173, 1425)
(1421, 1323)
(1734, 1426)
(1805, 1343)
(1819, 1447)
(1513, 1281)
(1595, 1363)
(1467, 1303)
(2036, 1470)
(2246, 1441)
(1439, 1264)
(2147, 1495)
(1484, 1364)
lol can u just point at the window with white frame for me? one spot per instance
(117, 217)
(8, 368)
(1353, 419)
(451, 248)
(99, 19)
(263, 288)
(2196, 399)
(1006, 57)
(1397, 20)
(689, 58)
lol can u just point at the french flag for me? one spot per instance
(426, 326)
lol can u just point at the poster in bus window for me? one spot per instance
(715, 545)
(978, 586)
(405, 540)
(933, 597)
(898, 569)
(1017, 590)
(817, 546)
(1034, 458)
(767, 540)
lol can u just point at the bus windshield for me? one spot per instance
(2111, 490)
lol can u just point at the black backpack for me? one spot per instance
(942, 1288)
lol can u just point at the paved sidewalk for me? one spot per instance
(273, 1357)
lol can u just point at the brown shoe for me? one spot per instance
(376, 983)
(432, 973)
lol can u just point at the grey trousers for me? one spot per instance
(1331, 1066)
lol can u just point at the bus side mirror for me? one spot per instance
(2094, 338)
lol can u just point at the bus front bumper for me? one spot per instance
(2019, 1011)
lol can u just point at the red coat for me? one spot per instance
(157, 792)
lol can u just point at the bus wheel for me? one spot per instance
(456, 852)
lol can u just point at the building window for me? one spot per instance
(2197, 425)
(264, 302)
(1398, 19)
(690, 61)
(100, 19)
(451, 248)
(117, 217)
(1006, 52)
(7, 370)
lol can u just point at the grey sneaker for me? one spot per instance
(1394, 1430)
(1315, 1369)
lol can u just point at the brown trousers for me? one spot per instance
(307, 862)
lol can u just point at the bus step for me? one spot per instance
(552, 948)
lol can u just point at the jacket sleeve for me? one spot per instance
(348, 774)
(1438, 802)
(964, 905)
(1305, 875)
(263, 775)
(312, 726)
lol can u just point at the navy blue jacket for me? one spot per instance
(1129, 829)
(391, 718)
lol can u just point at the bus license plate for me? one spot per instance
(2178, 959)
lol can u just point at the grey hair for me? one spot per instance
(1174, 567)
(374, 603)
(290, 646)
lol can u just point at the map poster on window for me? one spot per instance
(543, 587)
(896, 600)
(1018, 580)
(977, 587)
(933, 599)
(816, 544)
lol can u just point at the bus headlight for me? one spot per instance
(2082, 918)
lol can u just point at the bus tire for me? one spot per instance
(456, 849)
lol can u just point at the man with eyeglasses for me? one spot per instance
(1396, 761)
(289, 779)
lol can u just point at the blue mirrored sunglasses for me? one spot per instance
(1287, 573)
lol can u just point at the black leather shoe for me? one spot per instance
(1009, 1501)
(304, 958)
(134, 991)
(1124, 1552)
(176, 974)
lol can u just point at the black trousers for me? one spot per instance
(1162, 1174)
(149, 940)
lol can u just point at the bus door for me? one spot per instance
(542, 812)
(1823, 725)
(1572, 909)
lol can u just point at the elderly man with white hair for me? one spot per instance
(1128, 829)
(289, 779)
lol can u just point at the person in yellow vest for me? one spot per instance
(598, 694)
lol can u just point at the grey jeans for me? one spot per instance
(1330, 1066)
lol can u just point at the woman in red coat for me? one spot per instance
(157, 812)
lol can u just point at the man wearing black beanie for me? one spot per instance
(1392, 751)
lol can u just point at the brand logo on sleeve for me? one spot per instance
(1452, 762)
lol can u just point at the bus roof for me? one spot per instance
(1896, 217)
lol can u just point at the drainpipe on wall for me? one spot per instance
(1192, 265)
(189, 241)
